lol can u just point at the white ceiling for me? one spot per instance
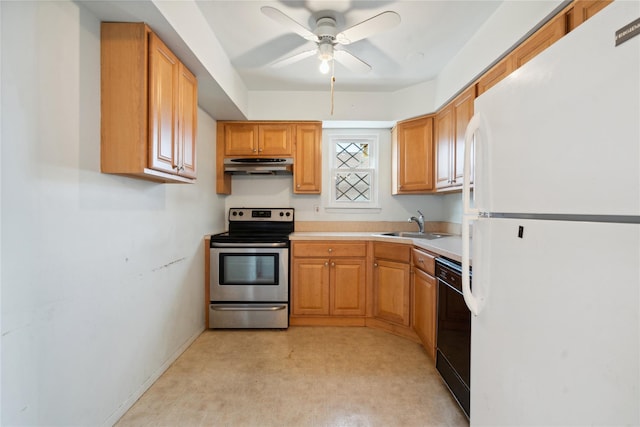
(429, 35)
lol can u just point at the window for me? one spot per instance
(353, 171)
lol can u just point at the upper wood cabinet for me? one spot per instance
(492, 77)
(307, 165)
(149, 102)
(444, 137)
(581, 10)
(451, 124)
(551, 32)
(301, 140)
(463, 112)
(258, 139)
(544, 37)
(412, 156)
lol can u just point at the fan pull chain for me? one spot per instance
(333, 80)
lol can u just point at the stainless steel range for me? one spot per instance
(249, 281)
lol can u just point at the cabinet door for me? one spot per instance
(498, 72)
(444, 144)
(310, 286)
(583, 10)
(187, 122)
(539, 41)
(347, 287)
(163, 106)
(392, 291)
(307, 169)
(240, 139)
(415, 156)
(463, 111)
(424, 310)
(274, 140)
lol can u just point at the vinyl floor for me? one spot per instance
(303, 376)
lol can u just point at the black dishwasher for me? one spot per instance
(453, 342)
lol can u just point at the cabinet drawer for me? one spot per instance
(329, 248)
(392, 251)
(424, 261)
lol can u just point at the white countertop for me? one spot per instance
(450, 246)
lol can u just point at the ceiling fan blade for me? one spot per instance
(295, 58)
(288, 22)
(371, 26)
(351, 61)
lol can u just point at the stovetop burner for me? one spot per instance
(249, 238)
(248, 225)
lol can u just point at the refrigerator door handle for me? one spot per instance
(472, 128)
(468, 214)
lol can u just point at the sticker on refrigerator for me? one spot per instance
(627, 32)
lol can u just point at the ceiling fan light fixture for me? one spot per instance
(325, 54)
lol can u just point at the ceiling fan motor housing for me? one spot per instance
(326, 29)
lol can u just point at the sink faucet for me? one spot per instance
(420, 221)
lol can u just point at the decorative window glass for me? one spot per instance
(353, 172)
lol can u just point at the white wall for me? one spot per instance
(102, 276)
(506, 26)
(511, 21)
(276, 191)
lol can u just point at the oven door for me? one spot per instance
(250, 274)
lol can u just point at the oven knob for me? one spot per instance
(281, 213)
(234, 213)
(240, 213)
(288, 213)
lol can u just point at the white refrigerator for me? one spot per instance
(555, 230)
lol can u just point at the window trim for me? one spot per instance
(351, 205)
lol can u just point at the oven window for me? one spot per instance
(249, 269)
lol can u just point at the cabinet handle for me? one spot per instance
(333, 264)
(420, 260)
(326, 264)
(254, 150)
(298, 186)
(375, 264)
(330, 250)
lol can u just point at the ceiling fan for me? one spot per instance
(329, 39)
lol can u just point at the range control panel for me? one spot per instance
(268, 214)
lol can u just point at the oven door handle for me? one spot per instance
(250, 245)
(231, 308)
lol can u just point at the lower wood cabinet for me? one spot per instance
(389, 286)
(391, 283)
(328, 279)
(328, 286)
(424, 299)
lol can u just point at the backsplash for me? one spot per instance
(374, 226)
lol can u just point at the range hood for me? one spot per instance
(258, 166)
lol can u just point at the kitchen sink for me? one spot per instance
(415, 235)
